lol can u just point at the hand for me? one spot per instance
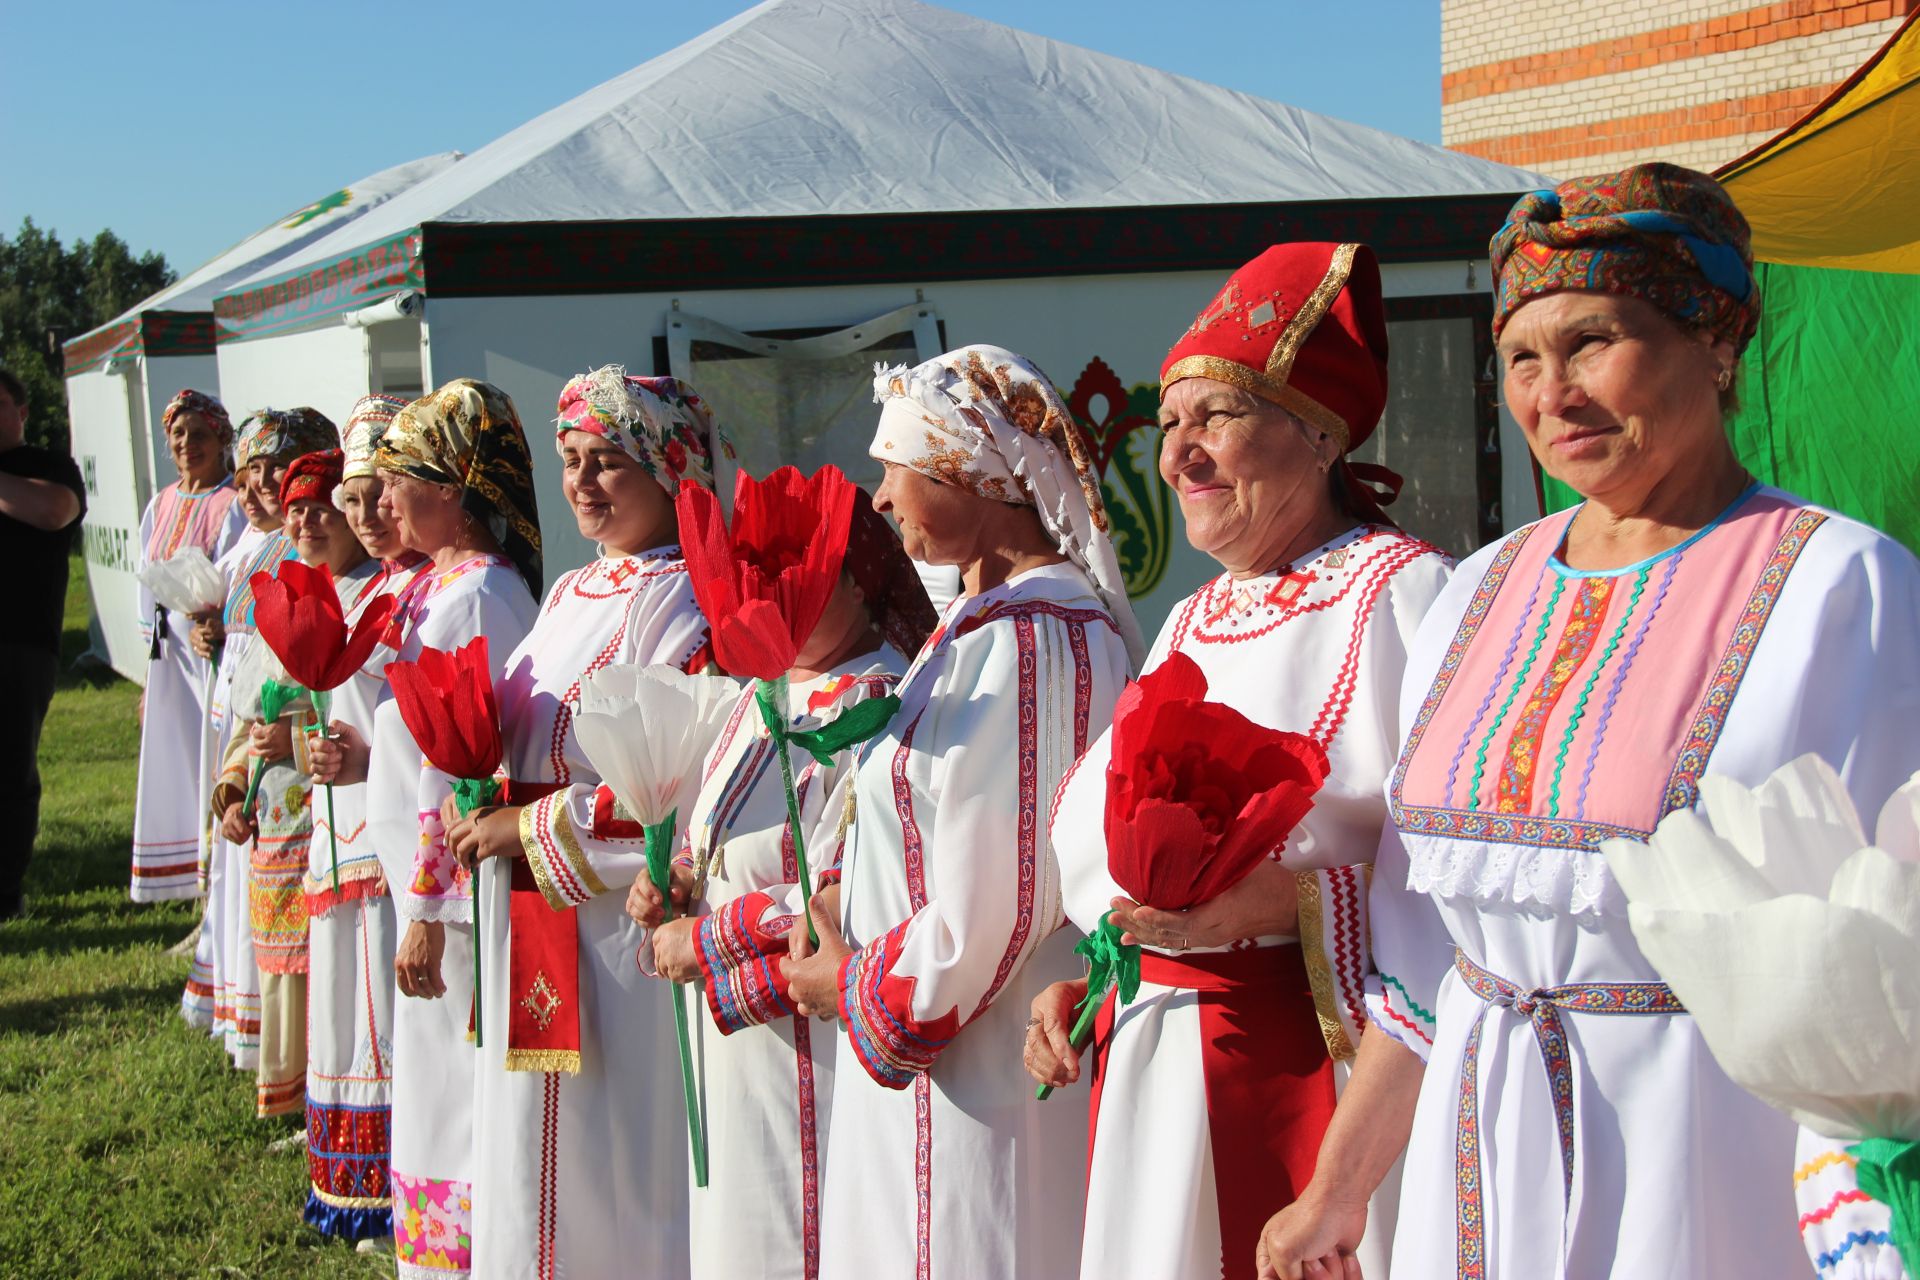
(416, 964)
(645, 906)
(269, 741)
(1312, 1239)
(207, 635)
(1050, 1055)
(491, 831)
(673, 952)
(814, 983)
(235, 825)
(450, 812)
(799, 946)
(339, 758)
(1265, 903)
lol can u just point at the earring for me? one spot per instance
(1725, 379)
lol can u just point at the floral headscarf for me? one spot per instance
(988, 421)
(661, 423)
(1666, 235)
(467, 434)
(191, 401)
(281, 435)
(896, 599)
(311, 477)
(369, 418)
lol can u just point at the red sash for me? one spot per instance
(543, 965)
(1268, 1077)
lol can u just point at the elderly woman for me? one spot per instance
(349, 907)
(940, 1161)
(1215, 1083)
(1572, 684)
(169, 801)
(765, 1076)
(579, 1130)
(457, 486)
(269, 442)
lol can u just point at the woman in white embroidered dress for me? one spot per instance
(457, 482)
(940, 1163)
(1211, 1130)
(580, 1128)
(352, 932)
(1572, 684)
(169, 802)
(766, 1077)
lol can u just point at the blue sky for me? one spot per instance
(186, 126)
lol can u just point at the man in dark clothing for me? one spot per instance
(41, 500)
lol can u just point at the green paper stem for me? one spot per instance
(660, 871)
(1111, 965)
(855, 725)
(1889, 1171)
(322, 709)
(470, 794)
(772, 696)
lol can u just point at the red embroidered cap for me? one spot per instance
(312, 477)
(1302, 325)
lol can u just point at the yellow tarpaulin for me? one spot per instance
(1842, 187)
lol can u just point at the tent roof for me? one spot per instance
(802, 108)
(1839, 188)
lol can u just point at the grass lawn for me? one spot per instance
(128, 1144)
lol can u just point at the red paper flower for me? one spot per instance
(447, 702)
(299, 616)
(765, 585)
(1197, 794)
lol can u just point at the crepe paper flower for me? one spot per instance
(186, 582)
(764, 584)
(1795, 945)
(297, 611)
(648, 730)
(446, 699)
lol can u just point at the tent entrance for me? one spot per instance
(798, 397)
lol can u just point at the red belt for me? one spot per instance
(1269, 1080)
(543, 964)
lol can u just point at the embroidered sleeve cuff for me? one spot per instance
(554, 855)
(1391, 1010)
(877, 1007)
(747, 994)
(735, 936)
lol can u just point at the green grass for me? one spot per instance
(128, 1144)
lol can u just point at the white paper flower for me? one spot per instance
(1793, 943)
(648, 730)
(187, 583)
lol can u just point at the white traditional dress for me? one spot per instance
(1571, 1121)
(766, 1076)
(229, 917)
(169, 802)
(435, 1066)
(1265, 1019)
(941, 1163)
(580, 1127)
(350, 984)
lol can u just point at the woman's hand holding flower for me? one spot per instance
(1264, 904)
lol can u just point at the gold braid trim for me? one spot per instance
(1313, 953)
(567, 1060)
(537, 856)
(350, 1202)
(1310, 314)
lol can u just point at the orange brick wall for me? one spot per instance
(1697, 82)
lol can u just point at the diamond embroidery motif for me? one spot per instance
(541, 1000)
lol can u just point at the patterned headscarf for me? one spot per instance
(369, 418)
(896, 598)
(467, 434)
(191, 401)
(1666, 235)
(661, 423)
(312, 477)
(281, 435)
(988, 421)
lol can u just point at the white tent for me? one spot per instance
(120, 376)
(818, 184)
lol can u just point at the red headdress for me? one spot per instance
(312, 477)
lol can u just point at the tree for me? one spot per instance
(49, 293)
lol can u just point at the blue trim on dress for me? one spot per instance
(1561, 567)
(347, 1224)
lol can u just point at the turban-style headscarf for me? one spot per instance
(467, 434)
(281, 435)
(988, 421)
(312, 477)
(1666, 235)
(369, 418)
(896, 598)
(661, 423)
(1303, 326)
(191, 401)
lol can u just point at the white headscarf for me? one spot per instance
(988, 421)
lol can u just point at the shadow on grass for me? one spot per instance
(79, 669)
(53, 930)
(54, 1014)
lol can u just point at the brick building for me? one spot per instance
(1585, 88)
